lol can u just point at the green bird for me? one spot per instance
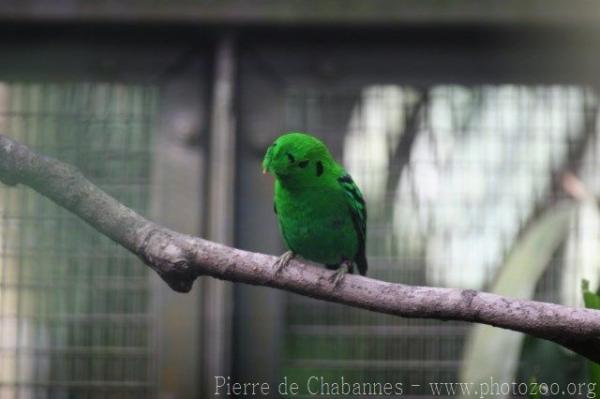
(321, 212)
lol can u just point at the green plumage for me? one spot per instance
(321, 212)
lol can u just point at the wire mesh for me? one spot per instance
(75, 320)
(451, 176)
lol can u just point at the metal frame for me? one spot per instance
(181, 68)
(423, 50)
(310, 12)
(217, 295)
(348, 60)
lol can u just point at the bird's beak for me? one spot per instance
(265, 167)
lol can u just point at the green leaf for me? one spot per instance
(590, 299)
(534, 391)
(518, 276)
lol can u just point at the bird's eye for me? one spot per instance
(291, 157)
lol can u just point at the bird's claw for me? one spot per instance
(337, 277)
(283, 261)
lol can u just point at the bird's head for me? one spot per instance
(296, 155)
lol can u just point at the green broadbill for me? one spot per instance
(321, 212)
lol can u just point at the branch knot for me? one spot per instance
(8, 164)
(170, 261)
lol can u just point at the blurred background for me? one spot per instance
(471, 127)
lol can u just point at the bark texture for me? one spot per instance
(179, 259)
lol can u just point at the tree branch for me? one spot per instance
(179, 259)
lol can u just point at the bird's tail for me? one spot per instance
(361, 263)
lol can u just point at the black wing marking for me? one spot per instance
(358, 211)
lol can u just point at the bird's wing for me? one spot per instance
(358, 211)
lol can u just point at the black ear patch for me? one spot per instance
(303, 164)
(319, 168)
(291, 157)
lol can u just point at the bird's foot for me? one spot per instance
(337, 277)
(283, 261)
